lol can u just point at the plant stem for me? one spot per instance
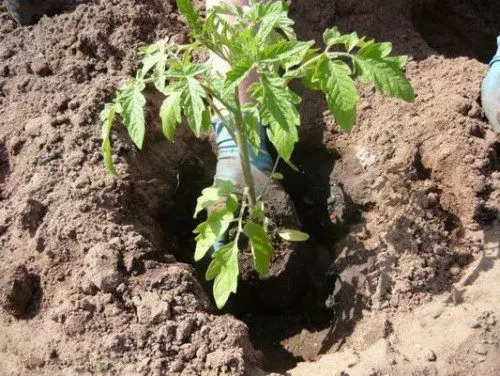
(244, 156)
(240, 216)
(226, 123)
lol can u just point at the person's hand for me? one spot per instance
(490, 91)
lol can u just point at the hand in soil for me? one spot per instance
(490, 91)
(229, 168)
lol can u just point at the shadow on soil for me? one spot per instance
(460, 27)
(301, 332)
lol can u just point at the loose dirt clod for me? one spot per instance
(480, 349)
(16, 289)
(101, 267)
(31, 214)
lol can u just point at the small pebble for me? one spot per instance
(464, 107)
(491, 320)
(455, 270)
(431, 356)
(176, 366)
(41, 68)
(474, 325)
(480, 349)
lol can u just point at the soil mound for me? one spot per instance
(113, 299)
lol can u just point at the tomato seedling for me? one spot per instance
(259, 38)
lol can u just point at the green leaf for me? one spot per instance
(306, 75)
(283, 50)
(107, 117)
(298, 58)
(258, 211)
(274, 16)
(195, 69)
(262, 249)
(212, 229)
(214, 194)
(373, 65)
(383, 48)
(277, 176)
(280, 112)
(252, 128)
(292, 166)
(352, 41)
(132, 102)
(170, 114)
(293, 235)
(283, 139)
(159, 82)
(331, 36)
(188, 11)
(340, 90)
(206, 119)
(192, 103)
(227, 9)
(153, 55)
(232, 202)
(228, 98)
(236, 75)
(224, 268)
(400, 60)
(226, 186)
(209, 196)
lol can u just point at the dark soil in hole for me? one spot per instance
(287, 278)
(494, 157)
(306, 330)
(311, 191)
(460, 27)
(269, 333)
(4, 165)
(298, 333)
(192, 178)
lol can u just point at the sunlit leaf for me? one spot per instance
(293, 235)
(224, 269)
(132, 102)
(212, 229)
(260, 244)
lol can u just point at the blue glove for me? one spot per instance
(229, 163)
(490, 91)
(228, 159)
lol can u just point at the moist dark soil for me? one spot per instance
(98, 270)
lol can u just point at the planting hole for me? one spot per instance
(294, 333)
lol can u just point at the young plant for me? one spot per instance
(258, 38)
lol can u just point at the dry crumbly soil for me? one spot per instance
(94, 272)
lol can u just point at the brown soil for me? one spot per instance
(94, 272)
